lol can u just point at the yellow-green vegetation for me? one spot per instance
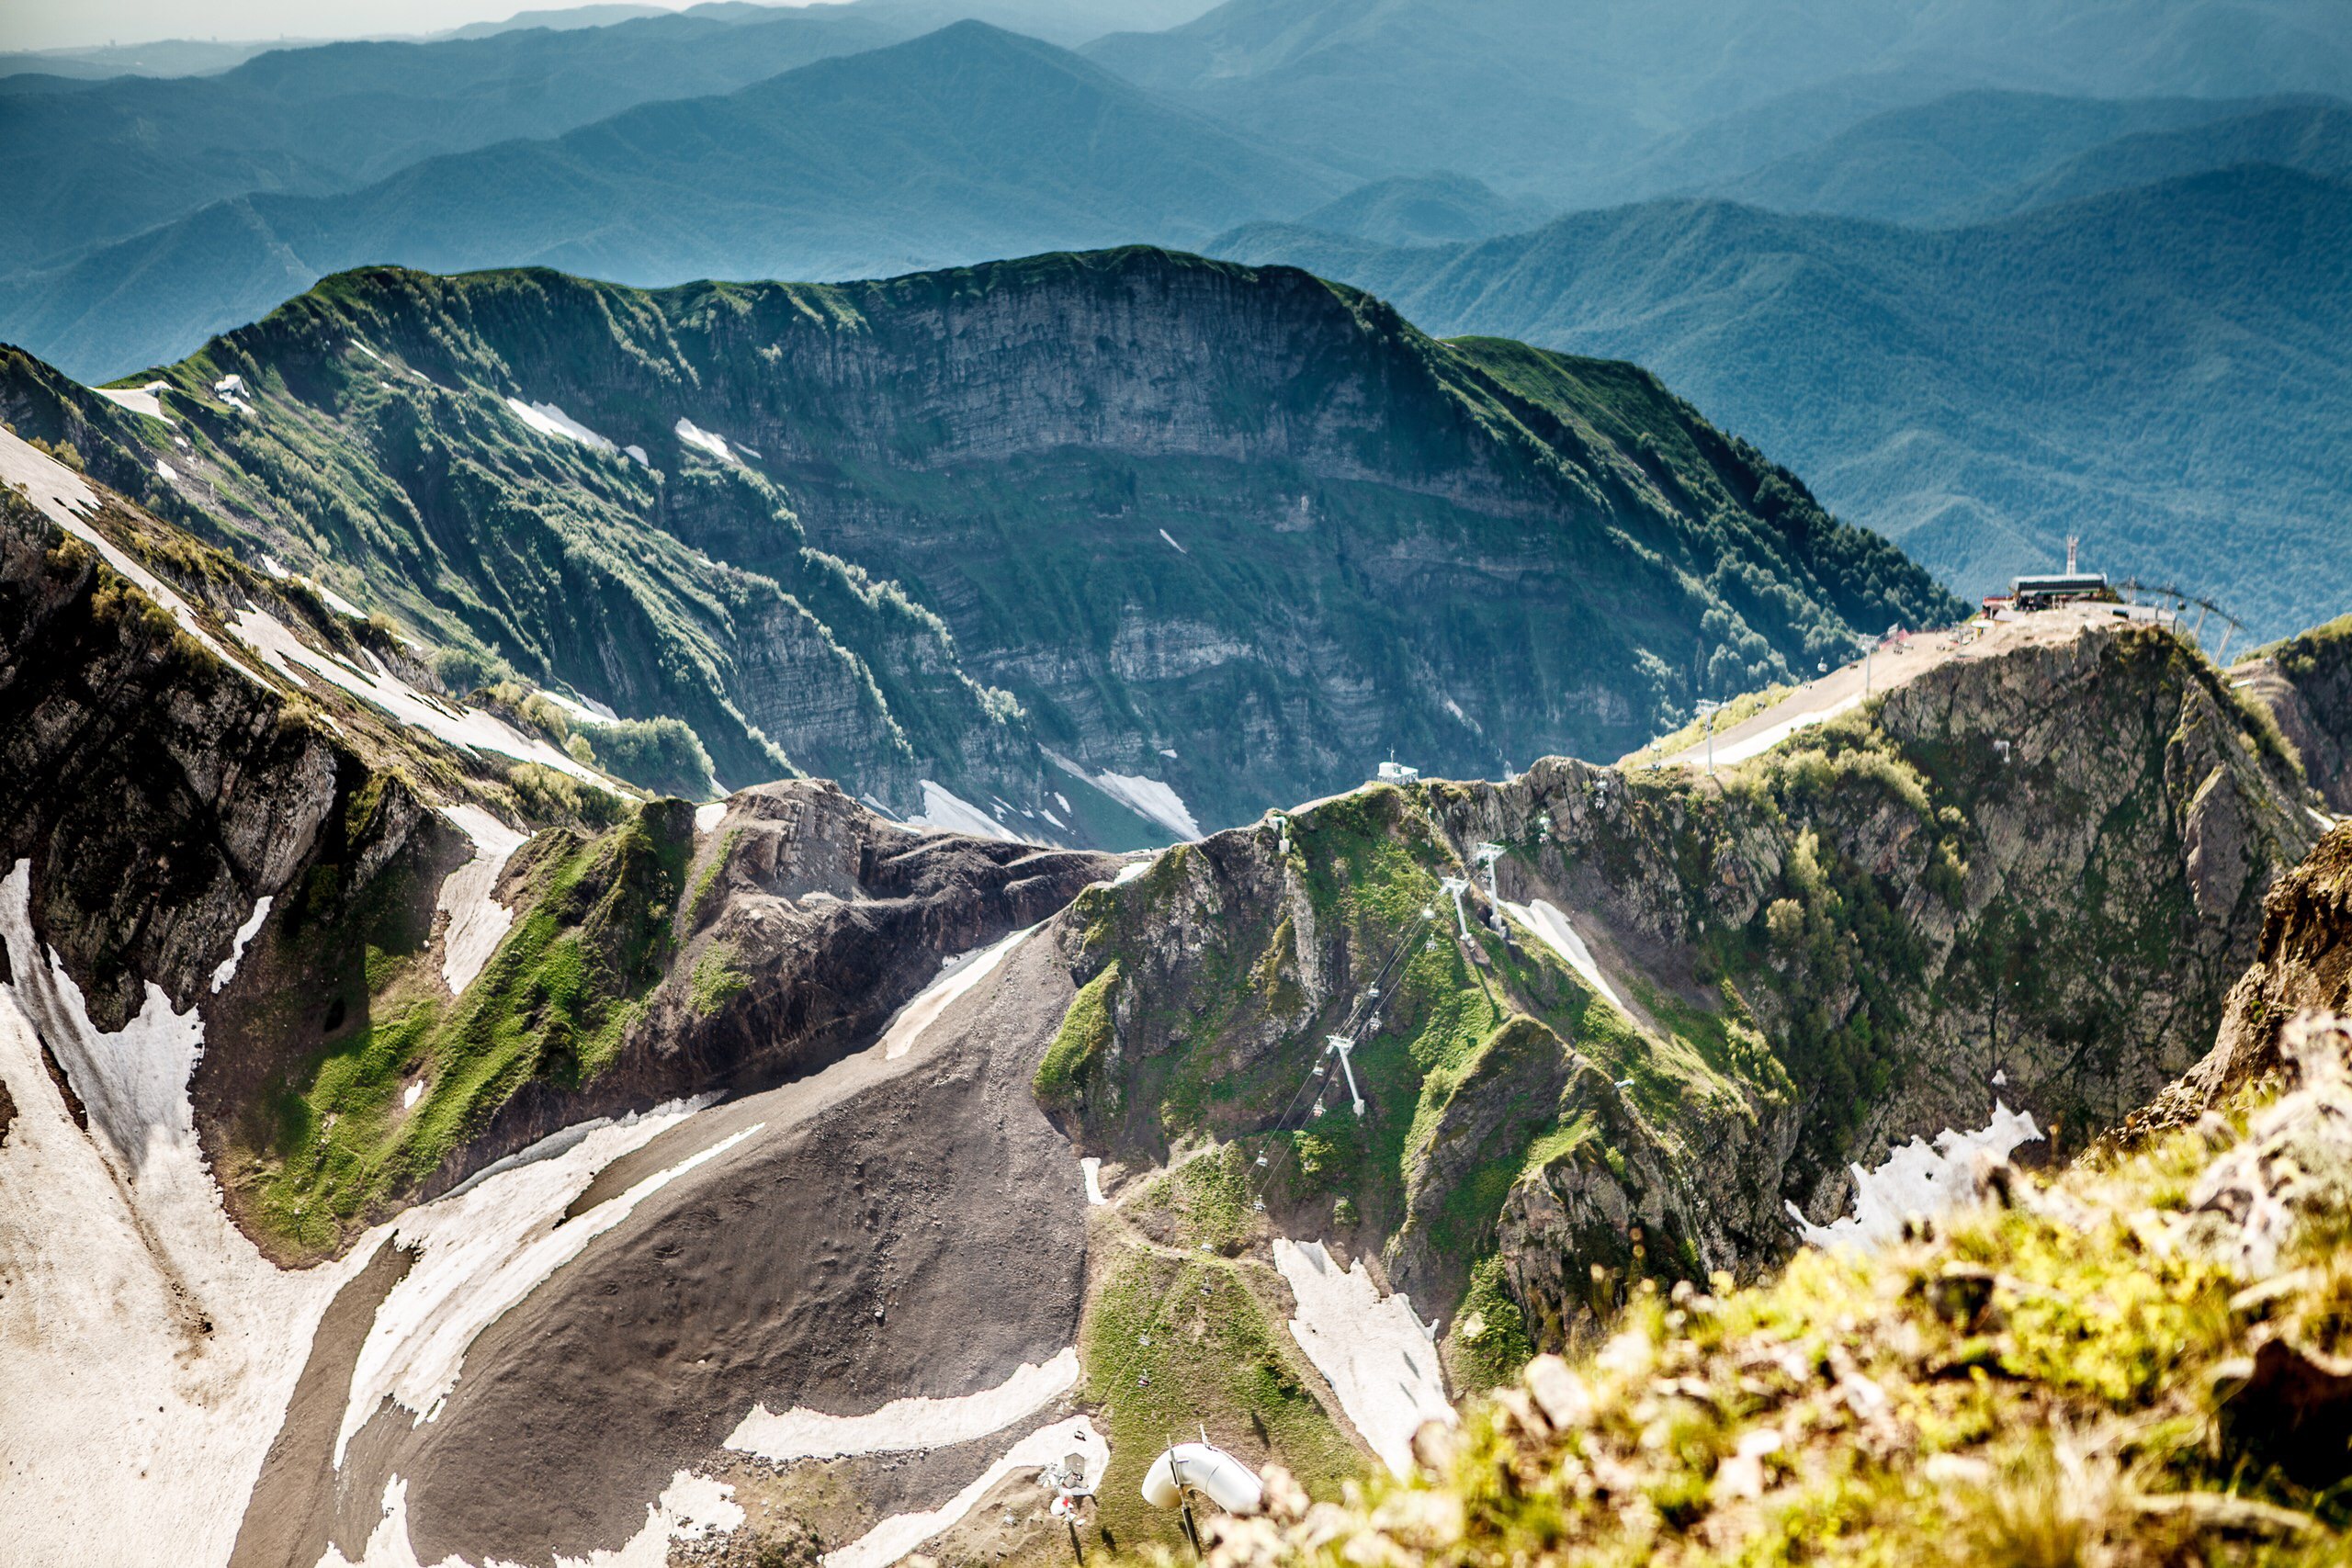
(551, 1004)
(1746, 706)
(2057, 1378)
(1172, 1343)
(1203, 1202)
(1078, 1043)
(715, 981)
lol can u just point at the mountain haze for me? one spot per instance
(1976, 156)
(1554, 101)
(86, 167)
(2159, 369)
(967, 143)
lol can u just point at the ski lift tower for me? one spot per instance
(1340, 1045)
(1486, 855)
(1707, 711)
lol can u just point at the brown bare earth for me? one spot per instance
(896, 1228)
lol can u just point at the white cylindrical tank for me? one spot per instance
(1210, 1470)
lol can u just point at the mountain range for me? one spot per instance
(2159, 369)
(965, 143)
(1130, 524)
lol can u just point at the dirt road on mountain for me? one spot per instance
(1892, 665)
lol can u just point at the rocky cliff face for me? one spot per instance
(2306, 683)
(203, 817)
(1210, 534)
(2031, 877)
(2304, 962)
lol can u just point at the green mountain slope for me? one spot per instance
(2161, 370)
(967, 143)
(1228, 531)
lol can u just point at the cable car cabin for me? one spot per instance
(2050, 591)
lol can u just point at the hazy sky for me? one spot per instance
(59, 24)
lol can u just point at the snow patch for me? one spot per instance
(1091, 1169)
(948, 812)
(142, 400)
(905, 1424)
(1918, 1178)
(707, 815)
(477, 923)
(901, 1533)
(1379, 1359)
(956, 976)
(412, 1094)
(228, 968)
(637, 455)
(336, 602)
(548, 419)
(1148, 799)
(1134, 869)
(586, 710)
(165, 472)
(467, 728)
(1172, 539)
(488, 1245)
(694, 434)
(62, 495)
(692, 1507)
(1763, 740)
(117, 1238)
(1550, 923)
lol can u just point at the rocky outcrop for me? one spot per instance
(2030, 877)
(2306, 683)
(157, 791)
(2304, 962)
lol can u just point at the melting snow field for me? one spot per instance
(1918, 1178)
(488, 1245)
(1379, 1359)
(477, 923)
(694, 434)
(1548, 922)
(1148, 799)
(118, 1239)
(946, 811)
(467, 728)
(1763, 740)
(62, 495)
(139, 401)
(907, 1424)
(957, 977)
(902, 1533)
(692, 1507)
(548, 419)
